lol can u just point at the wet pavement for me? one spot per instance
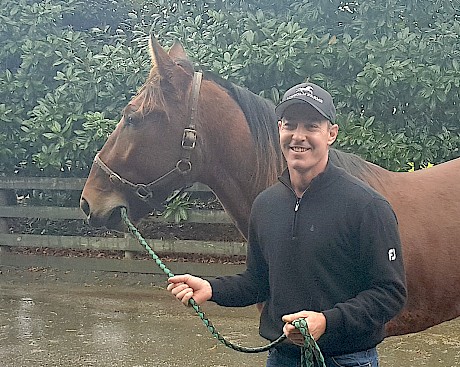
(66, 318)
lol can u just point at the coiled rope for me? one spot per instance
(310, 352)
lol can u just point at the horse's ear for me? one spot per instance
(164, 68)
(160, 59)
(177, 51)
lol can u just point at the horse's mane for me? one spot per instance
(355, 165)
(262, 122)
(261, 117)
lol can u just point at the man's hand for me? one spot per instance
(186, 286)
(316, 322)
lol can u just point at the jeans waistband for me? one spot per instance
(292, 349)
(288, 348)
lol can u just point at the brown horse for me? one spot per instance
(181, 128)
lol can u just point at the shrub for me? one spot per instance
(66, 73)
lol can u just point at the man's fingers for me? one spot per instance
(187, 297)
(177, 287)
(288, 328)
(180, 290)
(287, 318)
(294, 316)
(171, 286)
(179, 279)
(184, 295)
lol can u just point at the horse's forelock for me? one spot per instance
(150, 94)
(159, 87)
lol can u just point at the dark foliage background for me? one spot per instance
(67, 68)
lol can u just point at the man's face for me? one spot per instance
(305, 137)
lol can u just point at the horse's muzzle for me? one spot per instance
(110, 219)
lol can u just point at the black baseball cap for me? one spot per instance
(309, 93)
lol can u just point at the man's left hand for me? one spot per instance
(316, 322)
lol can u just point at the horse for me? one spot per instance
(187, 126)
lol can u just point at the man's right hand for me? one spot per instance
(186, 286)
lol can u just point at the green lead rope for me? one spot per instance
(311, 355)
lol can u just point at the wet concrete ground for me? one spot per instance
(67, 318)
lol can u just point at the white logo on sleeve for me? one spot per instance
(392, 254)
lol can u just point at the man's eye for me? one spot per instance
(313, 127)
(289, 126)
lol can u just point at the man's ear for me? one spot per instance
(280, 126)
(333, 132)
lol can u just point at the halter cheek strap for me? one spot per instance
(183, 166)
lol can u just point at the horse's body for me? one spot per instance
(237, 156)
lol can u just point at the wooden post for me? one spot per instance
(128, 254)
(3, 222)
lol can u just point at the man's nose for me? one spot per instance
(300, 132)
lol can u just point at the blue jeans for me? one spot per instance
(289, 357)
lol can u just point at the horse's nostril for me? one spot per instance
(84, 206)
(115, 217)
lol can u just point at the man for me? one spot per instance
(319, 248)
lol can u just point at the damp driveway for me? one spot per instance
(52, 318)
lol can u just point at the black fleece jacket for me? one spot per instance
(336, 250)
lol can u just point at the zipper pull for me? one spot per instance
(297, 203)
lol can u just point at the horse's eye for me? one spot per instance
(129, 119)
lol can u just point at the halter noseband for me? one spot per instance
(183, 165)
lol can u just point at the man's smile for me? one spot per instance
(298, 149)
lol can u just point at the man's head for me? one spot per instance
(311, 94)
(306, 129)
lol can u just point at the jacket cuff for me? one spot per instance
(333, 319)
(215, 290)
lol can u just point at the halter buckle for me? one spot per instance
(143, 192)
(189, 139)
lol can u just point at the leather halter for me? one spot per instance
(183, 165)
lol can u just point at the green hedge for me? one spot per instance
(66, 72)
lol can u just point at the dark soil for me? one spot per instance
(148, 228)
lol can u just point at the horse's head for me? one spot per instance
(152, 150)
(180, 129)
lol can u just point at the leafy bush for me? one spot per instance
(178, 205)
(56, 83)
(66, 73)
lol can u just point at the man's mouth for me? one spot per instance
(298, 149)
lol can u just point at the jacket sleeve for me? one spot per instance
(249, 287)
(384, 293)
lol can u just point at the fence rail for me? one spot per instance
(127, 243)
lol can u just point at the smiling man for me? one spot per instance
(306, 131)
(318, 248)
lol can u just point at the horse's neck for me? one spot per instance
(235, 199)
(229, 168)
(375, 176)
(231, 177)
(240, 147)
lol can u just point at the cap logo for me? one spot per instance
(308, 92)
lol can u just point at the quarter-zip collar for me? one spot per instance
(320, 182)
(324, 179)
